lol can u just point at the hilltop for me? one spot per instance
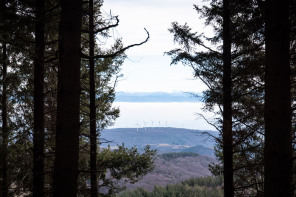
(163, 139)
(171, 168)
(182, 153)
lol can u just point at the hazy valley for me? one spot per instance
(163, 139)
(181, 153)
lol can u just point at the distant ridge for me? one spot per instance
(164, 139)
(157, 97)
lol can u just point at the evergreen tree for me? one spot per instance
(98, 94)
(6, 17)
(4, 183)
(246, 78)
(92, 104)
(67, 122)
(227, 103)
(201, 186)
(38, 138)
(277, 114)
(25, 48)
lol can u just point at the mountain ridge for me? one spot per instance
(163, 139)
(157, 97)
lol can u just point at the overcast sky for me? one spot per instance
(147, 69)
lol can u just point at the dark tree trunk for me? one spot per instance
(4, 155)
(92, 105)
(277, 150)
(38, 136)
(67, 126)
(4, 125)
(227, 102)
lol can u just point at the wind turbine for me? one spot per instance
(144, 124)
(137, 126)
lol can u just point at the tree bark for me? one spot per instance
(4, 155)
(277, 114)
(227, 103)
(4, 125)
(92, 105)
(67, 126)
(38, 135)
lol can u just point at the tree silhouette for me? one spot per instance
(277, 114)
(227, 103)
(38, 136)
(68, 100)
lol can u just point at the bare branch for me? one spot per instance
(104, 28)
(117, 52)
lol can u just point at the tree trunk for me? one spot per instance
(92, 105)
(4, 125)
(277, 150)
(67, 126)
(4, 156)
(38, 136)
(227, 103)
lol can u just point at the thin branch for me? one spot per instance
(108, 27)
(104, 28)
(117, 52)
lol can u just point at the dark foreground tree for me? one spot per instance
(246, 81)
(4, 145)
(68, 100)
(4, 159)
(227, 103)
(27, 172)
(38, 136)
(277, 114)
(92, 104)
(99, 68)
